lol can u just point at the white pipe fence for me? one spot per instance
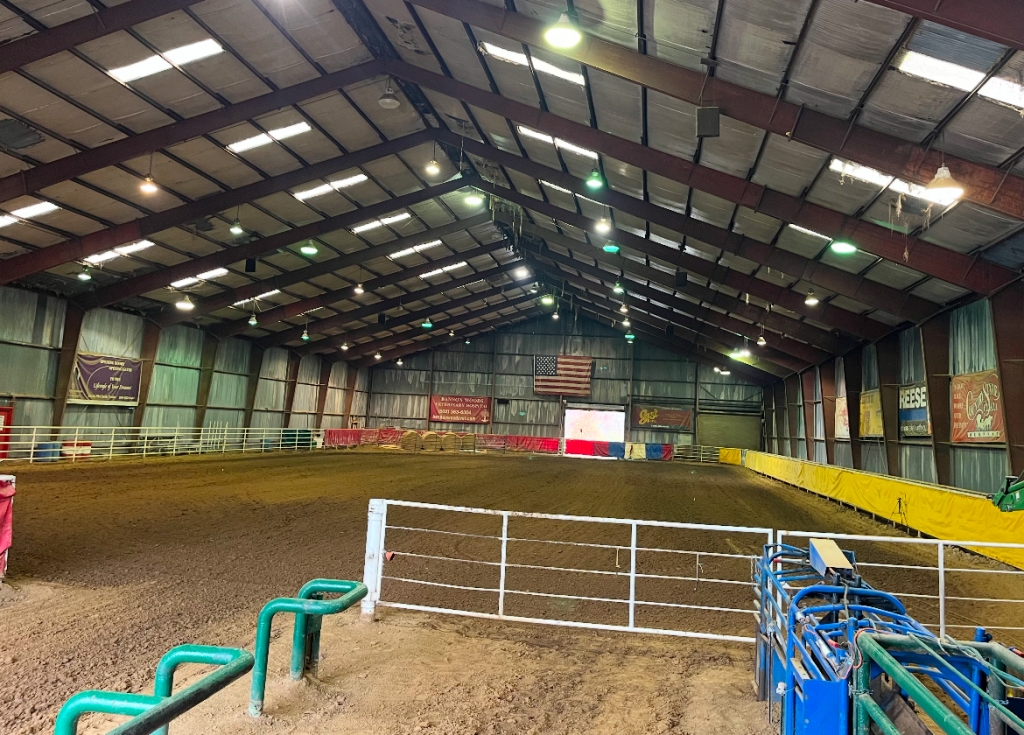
(399, 590)
(82, 443)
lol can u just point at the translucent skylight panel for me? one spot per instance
(32, 210)
(938, 71)
(207, 276)
(374, 224)
(268, 294)
(520, 59)
(558, 142)
(447, 268)
(167, 60)
(268, 137)
(415, 249)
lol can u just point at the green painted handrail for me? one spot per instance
(299, 607)
(94, 700)
(302, 621)
(188, 654)
(152, 712)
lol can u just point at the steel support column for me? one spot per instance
(290, 383)
(351, 377)
(781, 418)
(150, 344)
(935, 348)
(807, 385)
(1007, 318)
(206, 365)
(323, 386)
(853, 373)
(827, 374)
(794, 395)
(1001, 21)
(888, 353)
(66, 362)
(255, 367)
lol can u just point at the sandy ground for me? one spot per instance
(114, 563)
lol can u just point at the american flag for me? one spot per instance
(564, 375)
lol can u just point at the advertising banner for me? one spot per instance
(842, 418)
(977, 408)
(914, 420)
(101, 379)
(460, 409)
(657, 417)
(871, 413)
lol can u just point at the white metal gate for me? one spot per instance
(680, 579)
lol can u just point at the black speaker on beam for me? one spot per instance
(707, 122)
(250, 265)
(382, 318)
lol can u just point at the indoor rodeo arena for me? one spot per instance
(512, 367)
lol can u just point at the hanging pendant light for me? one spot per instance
(185, 304)
(761, 341)
(623, 309)
(388, 100)
(148, 186)
(451, 332)
(344, 346)
(603, 226)
(399, 362)
(376, 355)
(610, 247)
(427, 324)
(474, 199)
(943, 189)
(84, 274)
(547, 299)
(309, 249)
(630, 336)
(359, 289)
(555, 315)
(564, 33)
(467, 340)
(811, 299)
(618, 289)
(305, 335)
(236, 228)
(595, 181)
(253, 321)
(626, 322)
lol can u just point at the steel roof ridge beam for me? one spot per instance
(441, 339)
(809, 354)
(854, 324)
(827, 341)
(365, 311)
(99, 23)
(315, 269)
(163, 277)
(59, 253)
(39, 177)
(900, 303)
(964, 270)
(987, 185)
(359, 350)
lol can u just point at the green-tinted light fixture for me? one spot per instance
(842, 247)
(595, 181)
(610, 247)
(474, 199)
(427, 324)
(630, 336)
(619, 290)
(547, 299)
(309, 249)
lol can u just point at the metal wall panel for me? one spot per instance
(275, 364)
(176, 416)
(233, 356)
(224, 417)
(172, 386)
(267, 420)
(869, 364)
(917, 462)
(30, 318)
(180, 345)
(844, 454)
(450, 383)
(981, 469)
(27, 371)
(228, 391)
(911, 356)
(111, 333)
(972, 342)
(872, 455)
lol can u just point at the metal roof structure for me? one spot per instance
(288, 145)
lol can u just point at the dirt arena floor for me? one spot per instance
(114, 563)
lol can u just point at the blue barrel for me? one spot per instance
(47, 451)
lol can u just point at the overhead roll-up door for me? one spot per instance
(724, 430)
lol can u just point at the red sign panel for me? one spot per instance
(977, 408)
(6, 419)
(460, 409)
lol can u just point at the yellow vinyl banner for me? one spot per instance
(729, 456)
(942, 512)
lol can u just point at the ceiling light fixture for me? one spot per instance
(603, 226)
(148, 186)
(623, 309)
(610, 247)
(564, 33)
(376, 355)
(547, 299)
(761, 341)
(943, 189)
(399, 362)
(725, 371)
(630, 336)
(185, 304)
(521, 273)
(305, 334)
(473, 199)
(309, 249)
(626, 322)
(595, 181)
(236, 228)
(618, 289)
(843, 247)
(388, 100)
(555, 315)
(467, 340)
(811, 299)
(359, 290)
(344, 346)
(253, 321)
(84, 274)
(427, 324)
(451, 332)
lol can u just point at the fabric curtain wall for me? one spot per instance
(917, 462)
(911, 357)
(869, 364)
(972, 343)
(31, 318)
(844, 454)
(980, 469)
(872, 456)
(111, 333)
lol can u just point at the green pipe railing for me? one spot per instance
(355, 591)
(306, 634)
(151, 713)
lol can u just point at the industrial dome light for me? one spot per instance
(185, 304)
(473, 199)
(626, 322)
(467, 340)
(618, 289)
(630, 336)
(427, 324)
(547, 299)
(309, 249)
(305, 335)
(376, 355)
(148, 186)
(399, 362)
(344, 346)
(555, 315)
(236, 228)
(388, 100)
(451, 332)
(761, 341)
(359, 289)
(595, 181)
(610, 247)
(564, 33)
(842, 247)
(432, 168)
(943, 189)
(253, 321)
(623, 308)
(603, 226)
(811, 299)
(84, 274)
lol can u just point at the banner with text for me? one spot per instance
(101, 379)
(658, 417)
(842, 418)
(460, 409)
(977, 408)
(871, 413)
(914, 420)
